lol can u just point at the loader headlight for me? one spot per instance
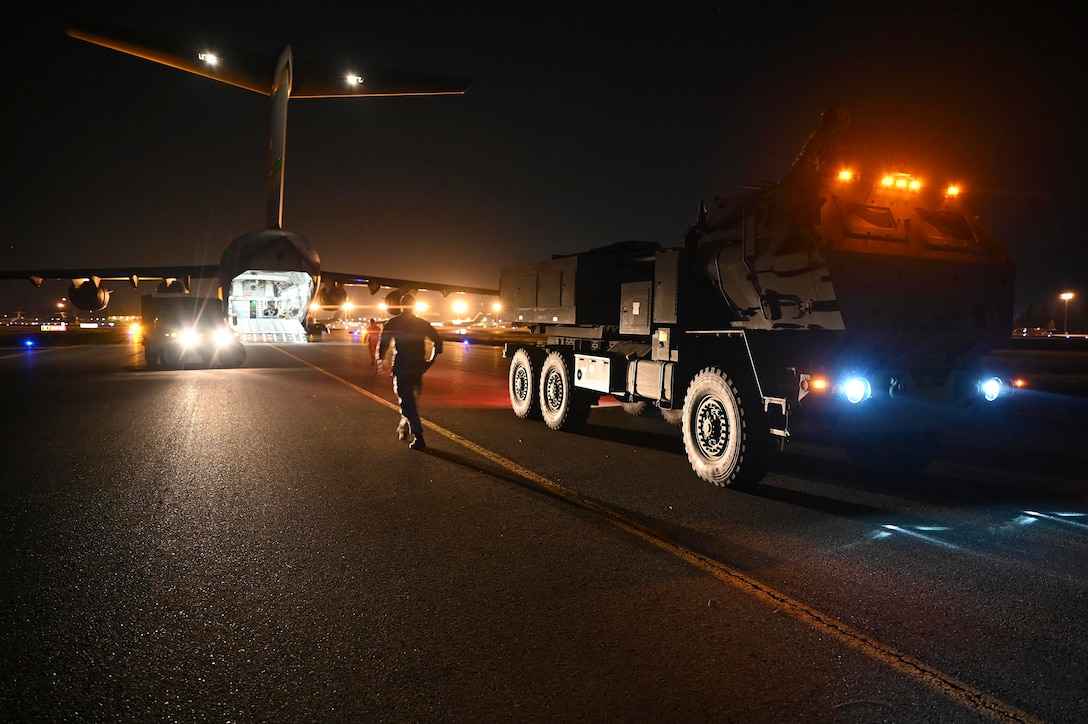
(188, 337)
(222, 337)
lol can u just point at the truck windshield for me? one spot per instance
(948, 229)
(947, 225)
(878, 216)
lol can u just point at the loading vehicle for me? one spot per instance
(176, 327)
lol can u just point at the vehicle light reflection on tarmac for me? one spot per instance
(1024, 519)
(1030, 516)
(459, 390)
(915, 531)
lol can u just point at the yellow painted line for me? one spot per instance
(957, 690)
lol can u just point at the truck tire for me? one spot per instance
(170, 358)
(523, 384)
(723, 442)
(232, 355)
(674, 417)
(152, 357)
(637, 408)
(562, 406)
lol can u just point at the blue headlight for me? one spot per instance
(991, 389)
(857, 389)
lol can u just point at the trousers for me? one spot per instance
(408, 386)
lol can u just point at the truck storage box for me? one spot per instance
(579, 289)
(635, 307)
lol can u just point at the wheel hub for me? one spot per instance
(712, 428)
(521, 384)
(553, 391)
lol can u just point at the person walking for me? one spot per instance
(407, 334)
(373, 332)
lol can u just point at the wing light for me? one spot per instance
(210, 58)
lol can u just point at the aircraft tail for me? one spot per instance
(250, 72)
(277, 139)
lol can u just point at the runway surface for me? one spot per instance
(255, 544)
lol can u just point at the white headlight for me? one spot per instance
(188, 337)
(223, 337)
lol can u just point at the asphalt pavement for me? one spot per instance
(254, 544)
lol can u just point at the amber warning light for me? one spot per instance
(901, 181)
(811, 383)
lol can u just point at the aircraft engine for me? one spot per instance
(332, 296)
(88, 294)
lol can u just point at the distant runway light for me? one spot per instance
(209, 58)
(353, 79)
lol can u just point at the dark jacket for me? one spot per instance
(408, 333)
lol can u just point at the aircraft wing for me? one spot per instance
(256, 71)
(375, 283)
(133, 275)
(313, 81)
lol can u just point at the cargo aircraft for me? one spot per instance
(269, 279)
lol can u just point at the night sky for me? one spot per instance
(581, 128)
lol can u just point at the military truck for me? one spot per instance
(176, 327)
(859, 296)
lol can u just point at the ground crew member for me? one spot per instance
(373, 332)
(407, 333)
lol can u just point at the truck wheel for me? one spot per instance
(636, 409)
(562, 406)
(725, 446)
(170, 358)
(674, 417)
(152, 357)
(232, 355)
(523, 385)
